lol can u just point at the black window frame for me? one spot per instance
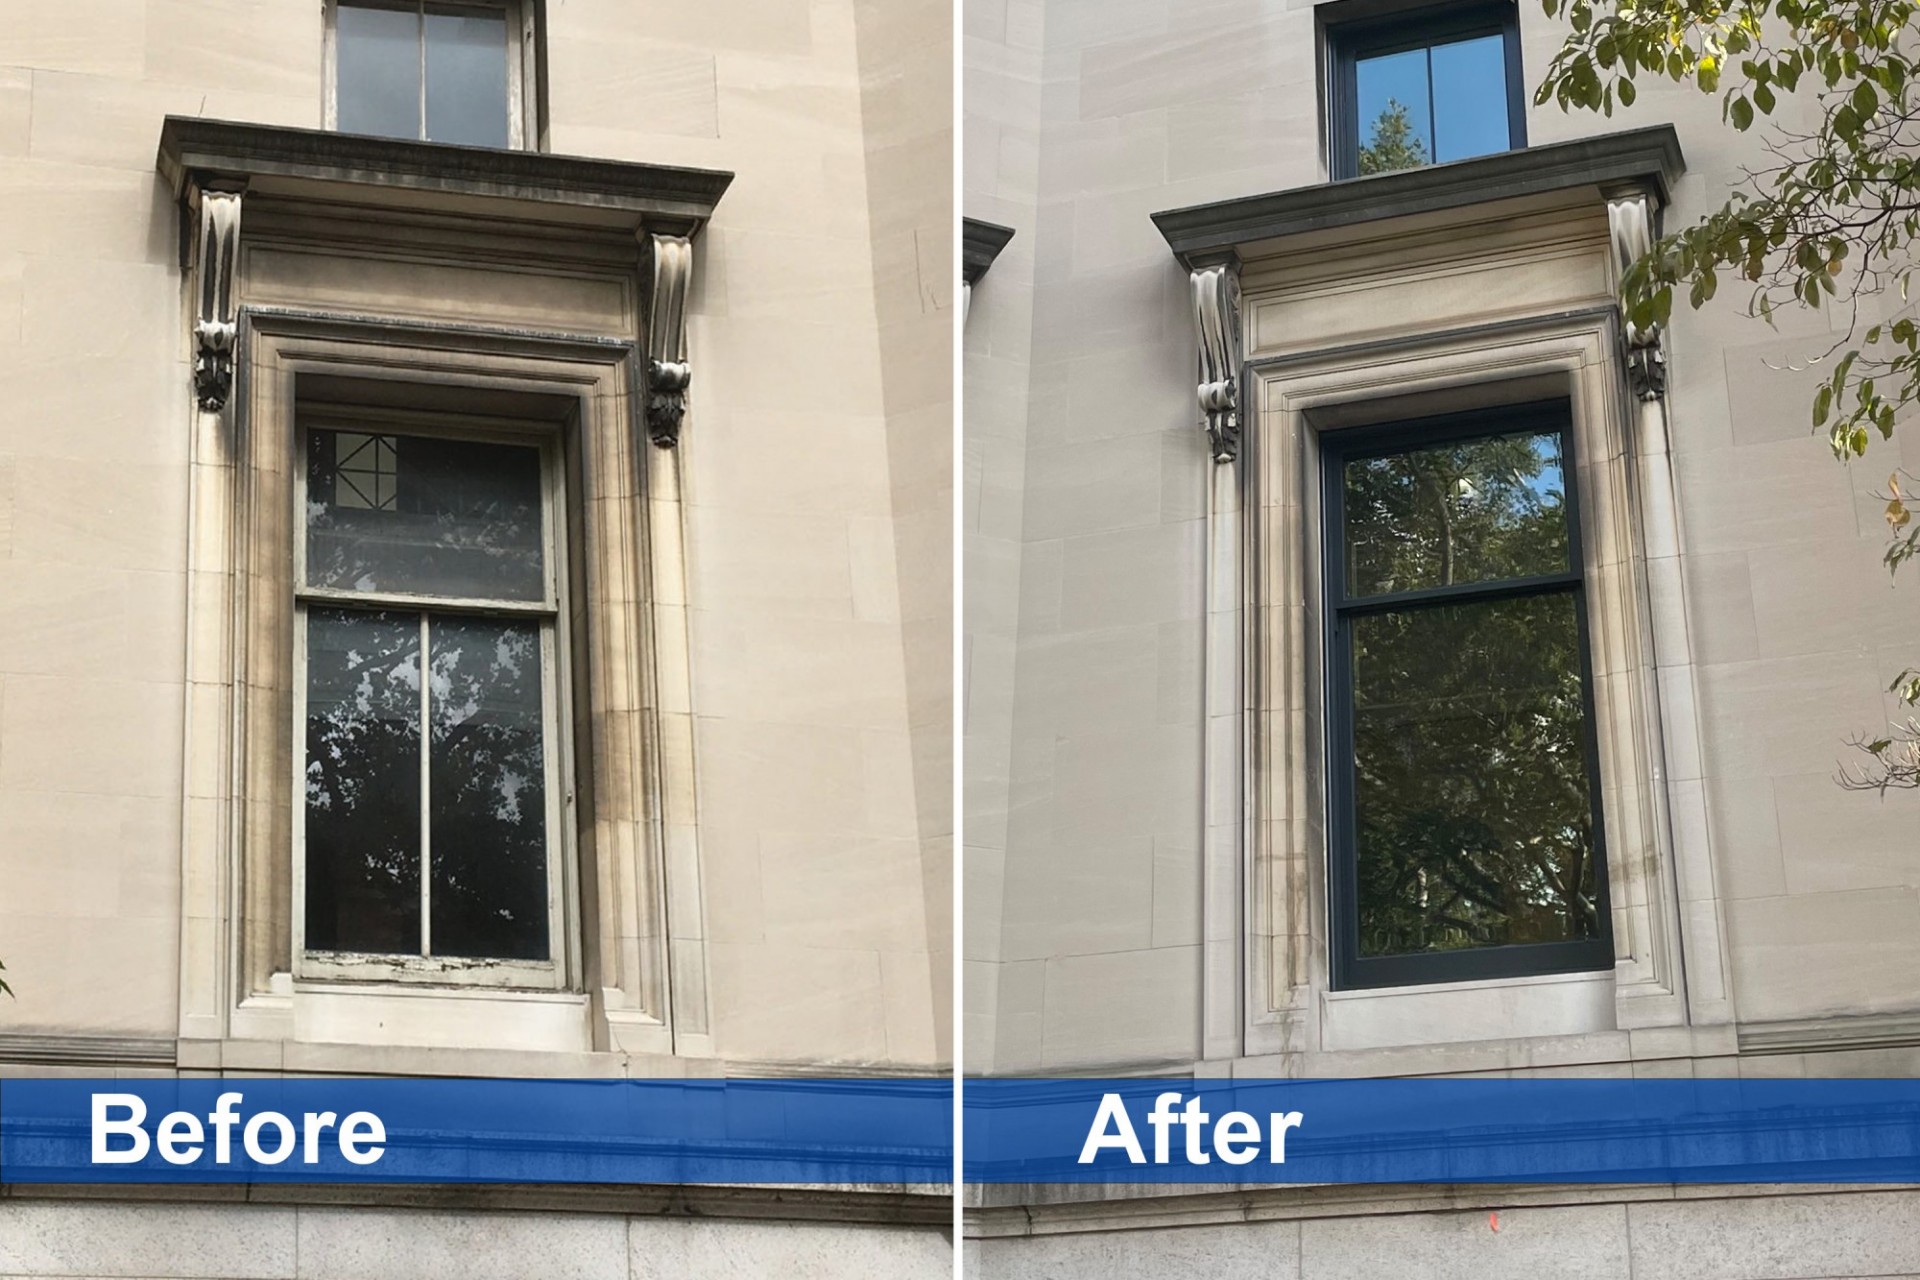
(1349, 969)
(1351, 40)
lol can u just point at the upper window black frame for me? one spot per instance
(1350, 41)
(1349, 969)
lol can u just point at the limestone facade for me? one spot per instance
(768, 730)
(1145, 861)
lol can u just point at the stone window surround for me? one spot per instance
(526, 89)
(637, 984)
(1265, 991)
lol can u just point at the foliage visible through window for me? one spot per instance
(1464, 795)
(426, 814)
(429, 71)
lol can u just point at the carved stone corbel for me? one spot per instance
(1630, 219)
(667, 370)
(1216, 318)
(215, 326)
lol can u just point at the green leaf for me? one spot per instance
(1822, 404)
(1742, 112)
(1627, 92)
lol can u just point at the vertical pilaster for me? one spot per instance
(1679, 793)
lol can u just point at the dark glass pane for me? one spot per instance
(363, 781)
(1473, 826)
(1473, 511)
(467, 79)
(424, 515)
(1393, 101)
(377, 71)
(488, 796)
(1470, 98)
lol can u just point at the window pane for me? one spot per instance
(1470, 98)
(488, 789)
(467, 79)
(424, 515)
(1456, 513)
(363, 782)
(1473, 826)
(377, 76)
(1395, 131)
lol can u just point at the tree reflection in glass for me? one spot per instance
(1474, 821)
(1472, 804)
(363, 781)
(488, 790)
(1456, 513)
(424, 516)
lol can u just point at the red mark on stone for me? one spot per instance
(1493, 1222)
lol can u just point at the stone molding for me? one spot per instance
(526, 185)
(980, 243)
(1050, 1209)
(879, 1206)
(26, 1048)
(1840, 1032)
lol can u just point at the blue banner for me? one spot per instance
(888, 1132)
(1485, 1130)
(893, 1132)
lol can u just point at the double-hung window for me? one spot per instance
(428, 743)
(1424, 88)
(1464, 828)
(431, 70)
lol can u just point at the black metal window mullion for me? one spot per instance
(1349, 968)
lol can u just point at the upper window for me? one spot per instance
(428, 605)
(1425, 88)
(430, 70)
(1464, 831)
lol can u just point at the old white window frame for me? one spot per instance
(523, 63)
(633, 788)
(560, 970)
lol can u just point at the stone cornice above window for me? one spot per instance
(1644, 161)
(217, 167)
(981, 243)
(272, 160)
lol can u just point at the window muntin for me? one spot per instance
(1464, 832)
(1425, 89)
(428, 70)
(429, 831)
